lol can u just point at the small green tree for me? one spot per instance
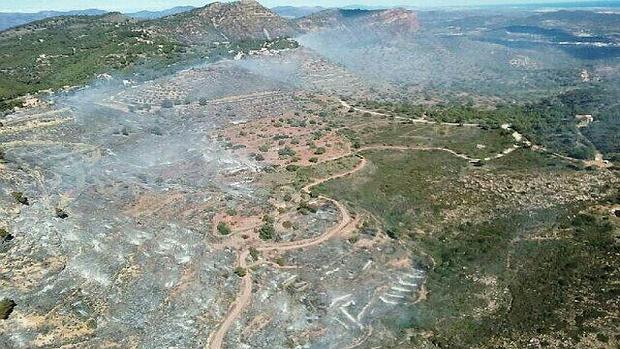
(267, 231)
(223, 228)
(241, 272)
(6, 308)
(19, 197)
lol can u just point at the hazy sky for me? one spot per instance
(133, 5)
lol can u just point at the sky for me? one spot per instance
(136, 5)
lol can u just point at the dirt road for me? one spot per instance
(243, 299)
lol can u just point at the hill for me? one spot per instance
(391, 21)
(159, 14)
(240, 20)
(60, 52)
(297, 11)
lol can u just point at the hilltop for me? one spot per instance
(240, 20)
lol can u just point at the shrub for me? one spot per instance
(60, 213)
(5, 235)
(254, 253)
(19, 197)
(223, 228)
(267, 231)
(241, 272)
(319, 151)
(292, 168)
(264, 148)
(286, 151)
(6, 308)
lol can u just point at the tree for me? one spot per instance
(6, 308)
(19, 197)
(203, 101)
(241, 272)
(254, 253)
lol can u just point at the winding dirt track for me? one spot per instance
(243, 298)
(245, 292)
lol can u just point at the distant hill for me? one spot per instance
(297, 11)
(159, 14)
(11, 20)
(391, 20)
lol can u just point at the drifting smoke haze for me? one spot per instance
(99, 166)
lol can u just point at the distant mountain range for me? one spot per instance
(15, 19)
(159, 14)
(297, 11)
(10, 20)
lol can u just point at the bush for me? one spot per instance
(254, 253)
(286, 151)
(292, 168)
(241, 272)
(223, 228)
(267, 231)
(319, 151)
(264, 148)
(582, 153)
(19, 197)
(5, 235)
(60, 213)
(6, 308)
